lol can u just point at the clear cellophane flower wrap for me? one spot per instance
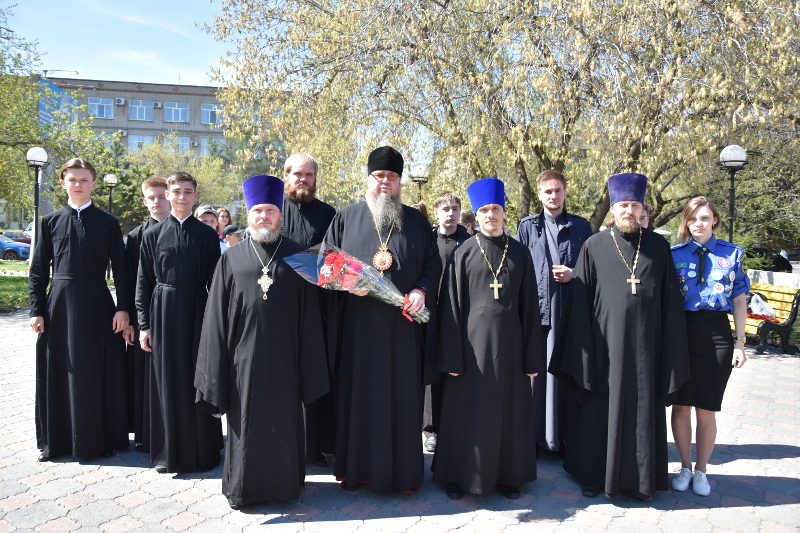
(334, 269)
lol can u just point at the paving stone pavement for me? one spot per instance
(754, 475)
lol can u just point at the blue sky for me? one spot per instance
(144, 41)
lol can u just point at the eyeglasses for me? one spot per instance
(391, 176)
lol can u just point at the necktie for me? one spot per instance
(701, 266)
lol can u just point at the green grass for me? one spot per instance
(13, 293)
(13, 266)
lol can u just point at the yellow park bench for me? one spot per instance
(784, 300)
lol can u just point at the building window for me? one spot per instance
(207, 144)
(137, 141)
(183, 143)
(211, 114)
(101, 107)
(140, 110)
(176, 112)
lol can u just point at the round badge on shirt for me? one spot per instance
(692, 274)
(716, 275)
(719, 288)
(724, 262)
(732, 276)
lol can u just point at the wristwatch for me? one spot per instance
(742, 338)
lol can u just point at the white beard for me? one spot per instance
(264, 235)
(386, 210)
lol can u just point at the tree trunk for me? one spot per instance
(524, 187)
(600, 211)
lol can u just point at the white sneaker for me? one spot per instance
(700, 484)
(682, 480)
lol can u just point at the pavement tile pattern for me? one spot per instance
(754, 475)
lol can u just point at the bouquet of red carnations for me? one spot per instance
(334, 269)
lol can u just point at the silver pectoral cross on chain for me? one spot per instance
(265, 281)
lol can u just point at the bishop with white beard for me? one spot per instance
(378, 355)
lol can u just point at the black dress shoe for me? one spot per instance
(235, 507)
(590, 491)
(512, 493)
(161, 469)
(454, 491)
(43, 458)
(137, 446)
(351, 488)
(108, 453)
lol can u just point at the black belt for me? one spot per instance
(77, 277)
(183, 287)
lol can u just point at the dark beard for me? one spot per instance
(264, 235)
(301, 196)
(386, 211)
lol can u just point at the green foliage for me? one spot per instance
(508, 89)
(13, 293)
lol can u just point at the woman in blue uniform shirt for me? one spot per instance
(714, 284)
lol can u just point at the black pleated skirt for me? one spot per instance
(710, 359)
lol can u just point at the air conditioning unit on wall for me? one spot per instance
(119, 101)
(124, 133)
(156, 105)
(194, 143)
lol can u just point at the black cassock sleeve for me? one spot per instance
(146, 278)
(213, 358)
(573, 356)
(39, 274)
(312, 361)
(119, 266)
(674, 363)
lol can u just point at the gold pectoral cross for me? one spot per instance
(496, 286)
(633, 281)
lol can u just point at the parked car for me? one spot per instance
(13, 251)
(16, 235)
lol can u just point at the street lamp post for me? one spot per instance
(732, 159)
(111, 181)
(419, 175)
(37, 160)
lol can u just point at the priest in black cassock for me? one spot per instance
(176, 264)
(80, 374)
(137, 361)
(489, 346)
(306, 218)
(262, 355)
(378, 355)
(622, 352)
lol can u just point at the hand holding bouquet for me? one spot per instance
(334, 269)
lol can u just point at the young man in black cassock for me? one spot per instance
(262, 355)
(80, 374)
(306, 218)
(449, 234)
(378, 355)
(176, 264)
(137, 361)
(622, 352)
(489, 346)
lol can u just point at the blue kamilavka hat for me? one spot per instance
(263, 189)
(627, 187)
(486, 191)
